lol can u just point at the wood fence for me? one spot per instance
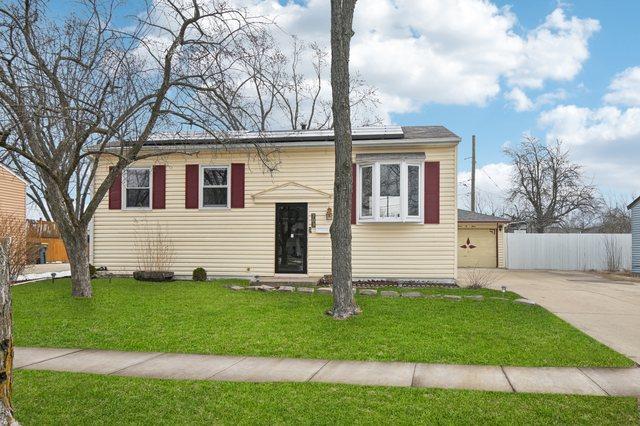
(569, 252)
(43, 233)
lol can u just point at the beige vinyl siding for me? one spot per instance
(12, 194)
(241, 242)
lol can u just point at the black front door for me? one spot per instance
(291, 238)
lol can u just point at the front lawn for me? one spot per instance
(209, 318)
(66, 398)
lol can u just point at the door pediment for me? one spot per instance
(291, 192)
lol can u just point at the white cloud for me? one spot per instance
(584, 126)
(519, 100)
(492, 183)
(555, 50)
(418, 52)
(605, 140)
(625, 88)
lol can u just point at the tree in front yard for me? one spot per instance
(80, 89)
(547, 188)
(344, 305)
(6, 338)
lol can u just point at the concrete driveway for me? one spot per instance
(607, 310)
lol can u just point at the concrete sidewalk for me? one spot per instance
(577, 381)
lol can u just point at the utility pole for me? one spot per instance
(473, 173)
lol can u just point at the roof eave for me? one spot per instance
(186, 146)
(633, 203)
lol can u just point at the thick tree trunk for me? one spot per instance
(344, 304)
(6, 340)
(78, 251)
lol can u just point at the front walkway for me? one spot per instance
(578, 381)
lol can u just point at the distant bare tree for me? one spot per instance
(547, 187)
(79, 89)
(615, 218)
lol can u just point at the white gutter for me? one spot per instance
(299, 144)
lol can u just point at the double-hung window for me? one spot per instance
(137, 188)
(215, 186)
(390, 191)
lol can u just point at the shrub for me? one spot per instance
(92, 271)
(481, 278)
(199, 274)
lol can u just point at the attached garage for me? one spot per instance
(480, 240)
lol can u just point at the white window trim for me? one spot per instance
(124, 188)
(201, 185)
(404, 199)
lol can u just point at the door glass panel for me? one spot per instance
(291, 238)
(389, 190)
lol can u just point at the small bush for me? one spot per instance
(92, 271)
(481, 278)
(199, 274)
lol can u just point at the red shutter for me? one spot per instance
(159, 184)
(237, 186)
(192, 188)
(115, 192)
(354, 186)
(432, 192)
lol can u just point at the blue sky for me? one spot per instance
(498, 69)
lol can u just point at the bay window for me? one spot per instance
(390, 191)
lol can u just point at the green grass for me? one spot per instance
(43, 398)
(209, 318)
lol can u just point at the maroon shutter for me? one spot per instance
(354, 186)
(237, 186)
(159, 184)
(432, 192)
(192, 188)
(115, 192)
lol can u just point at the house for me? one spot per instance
(480, 240)
(635, 235)
(13, 199)
(222, 211)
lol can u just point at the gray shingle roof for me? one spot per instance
(436, 132)
(469, 216)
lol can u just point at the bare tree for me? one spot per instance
(13, 229)
(6, 339)
(615, 218)
(344, 305)
(547, 187)
(75, 90)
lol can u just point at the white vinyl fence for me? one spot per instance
(570, 252)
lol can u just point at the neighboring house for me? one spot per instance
(13, 199)
(480, 240)
(635, 235)
(222, 211)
